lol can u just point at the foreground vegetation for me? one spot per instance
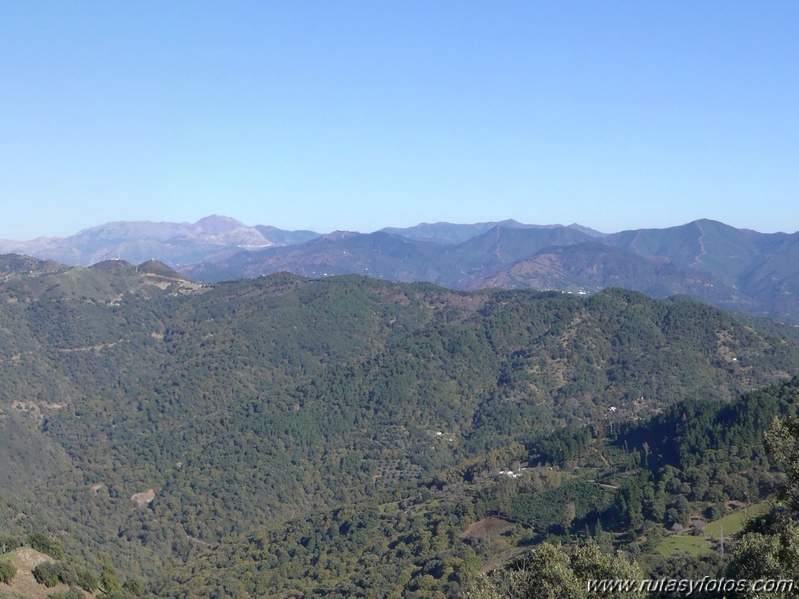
(346, 437)
(598, 491)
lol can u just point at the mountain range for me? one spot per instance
(735, 269)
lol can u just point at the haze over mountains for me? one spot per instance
(735, 269)
(176, 244)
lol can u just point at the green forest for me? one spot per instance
(349, 437)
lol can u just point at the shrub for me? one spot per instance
(9, 544)
(68, 576)
(47, 573)
(134, 586)
(717, 511)
(87, 580)
(7, 571)
(108, 580)
(41, 542)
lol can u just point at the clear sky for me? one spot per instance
(360, 115)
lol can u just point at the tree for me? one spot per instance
(41, 542)
(769, 544)
(47, 573)
(782, 441)
(7, 571)
(569, 513)
(134, 586)
(548, 572)
(109, 580)
(87, 580)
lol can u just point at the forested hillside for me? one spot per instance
(582, 487)
(165, 418)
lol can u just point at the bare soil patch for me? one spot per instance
(24, 585)
(143, 498)
(485, 527)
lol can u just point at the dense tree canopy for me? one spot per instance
(349, 435)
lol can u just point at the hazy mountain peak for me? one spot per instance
(445, 233)
(339, 235)
(216, 224)
(586, 230)
(176, 244)
(282, 237)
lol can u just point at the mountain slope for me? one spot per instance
(451, 234)
(392, 257)
(260, 400)
(760, 268)
(589, 267)
(731, 268)
(614, 486)
(281, 237)
(703, 245)
(377, 254)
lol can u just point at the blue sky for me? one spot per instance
(360, 115)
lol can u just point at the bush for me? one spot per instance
(108, 580)
(134, 586)
(47, 573)
(717, 511)
(68, 576)
(87, 580)
(7, 571)
(9, 544)
(41, 542)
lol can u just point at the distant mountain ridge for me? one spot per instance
(448, 233)
(740, 270)
(216, 238)
(176, 244)
(736, 269)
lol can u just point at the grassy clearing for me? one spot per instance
(388, 508)
(684, 543)
(734, 522)
(687, 543)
